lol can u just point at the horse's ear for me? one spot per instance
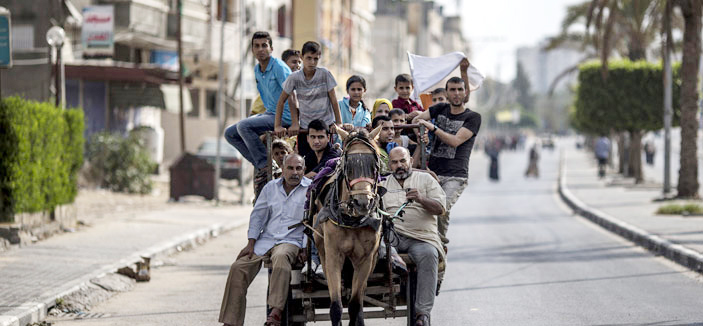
(374, 133)
(382, 191)
(341, 132)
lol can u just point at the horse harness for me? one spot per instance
(347, 171)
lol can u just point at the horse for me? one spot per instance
(347, 223)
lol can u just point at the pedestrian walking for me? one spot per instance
(649, 150)
(492, 149)
(532, 166)
(602, 151)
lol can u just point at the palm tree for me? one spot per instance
(626, 27)
(688, 173)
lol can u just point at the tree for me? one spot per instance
(522, 85)
(688, 173)
(629, 100)
(627, 27)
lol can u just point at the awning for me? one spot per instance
(118, 71)
(129, 95)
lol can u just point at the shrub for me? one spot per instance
(42, 150)
(630, 99)
(120, 163)
(678, 209)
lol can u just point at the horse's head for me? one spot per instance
(361, 168)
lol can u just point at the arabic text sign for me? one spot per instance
(98, 31)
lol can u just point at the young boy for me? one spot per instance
(439, 95)
(398, 118)
(404, 88)
(314, 87)
(293, 59)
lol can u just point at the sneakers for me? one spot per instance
(316, 269)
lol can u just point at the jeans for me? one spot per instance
(244, 136)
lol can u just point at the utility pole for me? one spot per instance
(180, 77)
(668, 111)
(242, 110)
(220, 97)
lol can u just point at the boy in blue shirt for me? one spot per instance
(270, 75)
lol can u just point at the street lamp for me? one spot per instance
(55, 36)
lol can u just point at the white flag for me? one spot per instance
(427, 72)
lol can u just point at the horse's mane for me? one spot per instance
(361, 135)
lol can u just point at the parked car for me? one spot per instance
(548, 141)
(230, 158)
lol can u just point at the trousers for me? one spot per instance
(242, 273)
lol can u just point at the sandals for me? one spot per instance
(272, 321)
(422, 320)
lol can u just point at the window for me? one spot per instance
(195, 98)
(22, 37)
(211, 103)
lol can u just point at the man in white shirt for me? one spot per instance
(280, 205)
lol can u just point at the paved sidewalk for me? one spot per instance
(628, 210)
(33, 277)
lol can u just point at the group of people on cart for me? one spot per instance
(299, 105)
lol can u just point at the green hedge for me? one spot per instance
(42, 151)
(630, 99)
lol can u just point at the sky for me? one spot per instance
(496, 28)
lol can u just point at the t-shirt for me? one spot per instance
(313, 100)
(270, 84)
(258, 106)
(444, 159)
(407, 105)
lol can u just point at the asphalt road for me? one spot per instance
(517, 257)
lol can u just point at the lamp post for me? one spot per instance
(55, 36)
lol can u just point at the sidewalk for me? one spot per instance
(628, 210)
(33, 277)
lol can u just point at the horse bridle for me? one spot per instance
(349, 183)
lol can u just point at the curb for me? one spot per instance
(36, 311)
(677, 253)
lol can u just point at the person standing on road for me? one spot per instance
(279, 206)
(532, 166)
(602, 150)
(417, 231)
(649, 150)
(455, 130)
